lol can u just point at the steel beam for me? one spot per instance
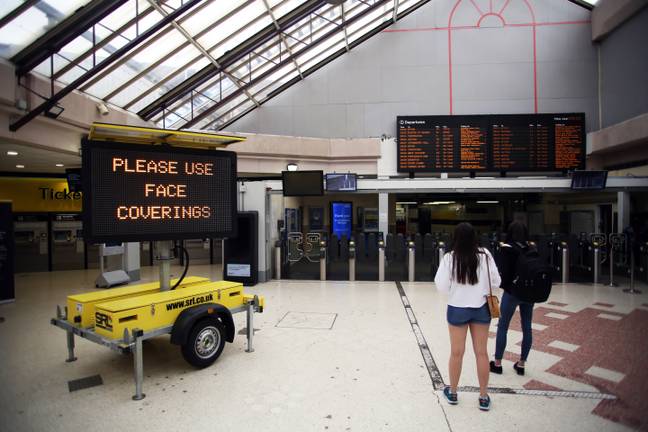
(202, 50)
(281, 35)
(51, 102)
(289, 59)
(17, 12)
(66, 31)
(229, 58)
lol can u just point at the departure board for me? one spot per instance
(496, 143)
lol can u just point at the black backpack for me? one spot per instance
(532, 282)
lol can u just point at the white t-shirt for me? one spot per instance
(464, 295)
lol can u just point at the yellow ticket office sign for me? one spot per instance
(36, 195)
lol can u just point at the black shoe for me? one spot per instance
(495, 369)
(518, 369)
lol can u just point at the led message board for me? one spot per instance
(140, 192)
(496, 143)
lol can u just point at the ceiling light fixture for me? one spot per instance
(439, 203)
(12, 153)
(406, 202)
(60, 165)
(20, 166)
(292, 167)
(487, 202)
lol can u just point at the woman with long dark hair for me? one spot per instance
(464, 275)
(517, 242)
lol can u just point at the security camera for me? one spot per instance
(103, 109)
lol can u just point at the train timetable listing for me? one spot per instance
(569, 136)
(520, 144)
(502, 142)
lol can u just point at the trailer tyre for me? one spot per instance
(205, 343)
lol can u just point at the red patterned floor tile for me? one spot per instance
(555, 303)
(538, 385)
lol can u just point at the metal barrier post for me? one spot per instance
(70, 347)
(323, 260)
(278, 260)
(632, 289)
(139, 364)
(596, 263)
(611, 258)
(565, 262)
(250, 323)
(381, 261)
(410, 261)
(352, 261)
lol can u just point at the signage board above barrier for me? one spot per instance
(143, 192)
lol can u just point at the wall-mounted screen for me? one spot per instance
(499, 143)
(141, 192)
(302, 183)
(341, 182)
(341, 219)
(589, 180)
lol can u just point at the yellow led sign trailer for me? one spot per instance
(139, 193)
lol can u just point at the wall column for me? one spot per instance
(623, 210)
(383, 213)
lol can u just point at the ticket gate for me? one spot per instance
(337, 261)
(367, 256)
(32, 245)
(68, 248)
(426, 257)
(396, 268)
(199, 250)
(303, 255)
(216, 252)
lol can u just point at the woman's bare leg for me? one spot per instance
(457, 347)
(479, 335)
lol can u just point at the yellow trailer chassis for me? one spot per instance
(198, 315)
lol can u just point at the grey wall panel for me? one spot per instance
(405, 71)
(624, 70)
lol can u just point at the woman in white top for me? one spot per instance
(463, 274)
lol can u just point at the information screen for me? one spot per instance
(140, 192)
(341, 182)
(526, 142)
(341, 219)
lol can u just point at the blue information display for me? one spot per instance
(341, 218)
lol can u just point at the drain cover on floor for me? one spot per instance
(84, 383)
(308, 320)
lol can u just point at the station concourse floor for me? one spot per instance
(336, 356)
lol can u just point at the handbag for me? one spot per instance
(492, 300)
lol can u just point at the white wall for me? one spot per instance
(405, 71)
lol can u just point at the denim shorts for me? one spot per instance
(459, 316)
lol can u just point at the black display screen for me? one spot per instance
(589, 180)
(341, 182)
(500, 143)
(302, 183)
(140, 193)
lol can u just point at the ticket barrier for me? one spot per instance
(303, 256)
(598, 243)
(68, 248)
(366, 256)
(426, 258)
(581, 257)
(616, 255)
(337, 258)
(643, 263)
(396, 266)
(146, 254)
(31, 246)
(381, 261)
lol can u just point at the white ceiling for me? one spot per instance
(35, 160)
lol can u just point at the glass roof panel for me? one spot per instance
(33, 23)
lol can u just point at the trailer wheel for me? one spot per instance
(205, 343)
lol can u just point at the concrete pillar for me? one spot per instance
(623, 210)
(383, 213)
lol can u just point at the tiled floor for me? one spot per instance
(332, 356)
